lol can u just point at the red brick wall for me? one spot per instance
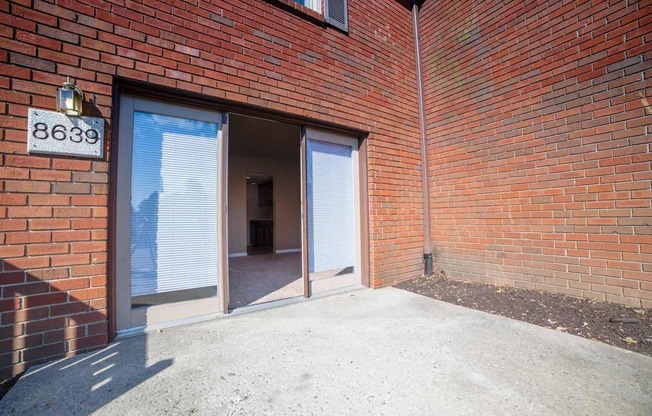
(539, 126)
(53, 211)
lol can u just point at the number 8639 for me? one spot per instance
(58, 132)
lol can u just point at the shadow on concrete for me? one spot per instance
(49, 315)
(98, 378)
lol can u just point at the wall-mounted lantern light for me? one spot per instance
(69, 99)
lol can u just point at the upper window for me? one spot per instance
(313, 4)
(335, 11)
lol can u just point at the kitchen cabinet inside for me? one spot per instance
(266, 194)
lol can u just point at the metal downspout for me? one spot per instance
(427, 249)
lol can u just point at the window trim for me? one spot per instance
(319, 17)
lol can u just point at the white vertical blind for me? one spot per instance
(331, 215)
(173, 204)
(314, 5)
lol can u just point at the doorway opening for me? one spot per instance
(264, 211)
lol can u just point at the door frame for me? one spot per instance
(145, 90)
(130, 320)
(305, 259)
(223, 217)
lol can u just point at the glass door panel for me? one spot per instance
(332, 189)
(169, 216)
(331, 218)
(173, 209)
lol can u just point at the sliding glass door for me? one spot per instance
(168, 213)
(171, 262)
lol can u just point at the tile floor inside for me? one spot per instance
(263, 278)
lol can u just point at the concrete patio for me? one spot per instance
(384, 352)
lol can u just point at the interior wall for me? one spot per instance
(287, 202)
